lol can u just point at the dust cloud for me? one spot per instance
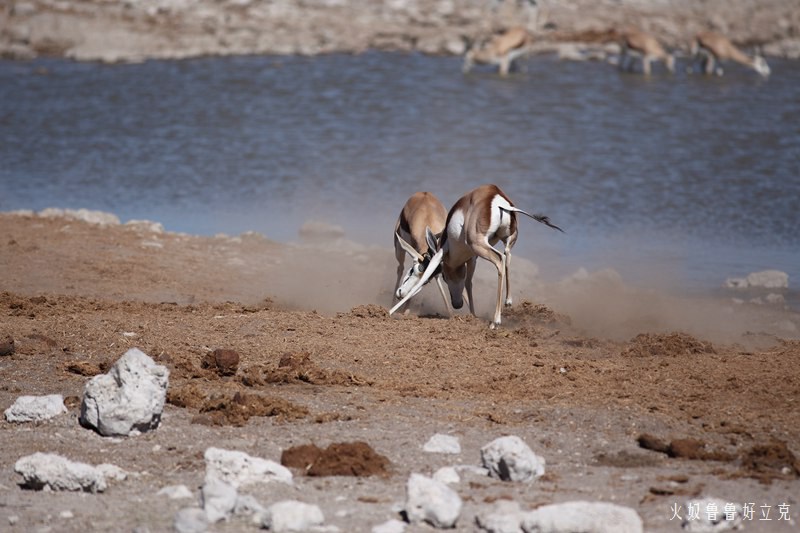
(330, 273)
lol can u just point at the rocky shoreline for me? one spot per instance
(136, 30)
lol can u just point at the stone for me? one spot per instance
(390, 526)
(447, 475)
(510, 459)
(586, 517)
(190, 520)
(6, 345)
(224, 362)
(239, 469)
(42, 470)
(175, 492)
(100, 218)
(292, 515)
(112, 472)
(712, 514)
(218, 498)
(440, 443)
(504, 517)
(35, 408)
(765, 279)
(128, 399)
(247, 505)
(431, 501)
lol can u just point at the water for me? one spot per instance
(681, 180)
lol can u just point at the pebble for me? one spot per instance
(190, 520)
(431, 501)
(440, 443)
(292, 515)
(35, 408)
(510, 459)
(129, 399)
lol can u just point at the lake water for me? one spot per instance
(676, 180)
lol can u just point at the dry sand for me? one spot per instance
(321, 362)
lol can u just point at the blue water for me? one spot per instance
(681, 179)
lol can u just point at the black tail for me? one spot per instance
(544, 219)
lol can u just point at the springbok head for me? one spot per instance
(419, 264)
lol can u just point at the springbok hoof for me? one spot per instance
(508, 302)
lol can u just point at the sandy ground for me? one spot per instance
(76, 296)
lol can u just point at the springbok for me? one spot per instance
(640, 44)
(713, 48)
(420, 212)
(474, 225)
(500, 49)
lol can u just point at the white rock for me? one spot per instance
(504, 517)
(239, 469)
(218, 498)
(292, 515)
(247, 505)
(767, 279)
(473, 470)
(35, 408)
(128, 399)
(447, 475)
(86, 215)
(112, 472)
(510, 459)
(441, 443)
(190, 520)
(586, 517)
(390, 526)
(175, 492)
(42, 470)
(145, 225)
(66, 514)
(708, 515)
(431, 501)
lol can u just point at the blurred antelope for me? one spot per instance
(474, 225)
(422, 212)
(640, 44)
(500, 49)
(712, 48)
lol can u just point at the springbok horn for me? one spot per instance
(432, 266)
(408, 248)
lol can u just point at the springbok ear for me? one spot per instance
(408, 248)
(432, 266)
(430, 238)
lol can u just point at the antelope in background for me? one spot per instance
(500, 49)
(422, 212)
(640, 44)
(713, 48)
(479, 219)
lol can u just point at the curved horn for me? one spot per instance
(408, 248)
(432, 266)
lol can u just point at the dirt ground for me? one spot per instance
(647, 421)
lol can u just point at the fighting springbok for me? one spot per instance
(640, 44)
(500, 49)
(713, 48)
(474, 225)
(421, 211)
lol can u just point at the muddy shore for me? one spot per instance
(172, 29)
(647, 421)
